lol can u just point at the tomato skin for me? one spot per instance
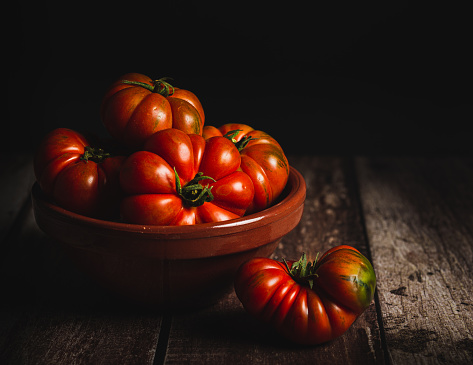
(149, 180)
(132, 113)
(220, 158)
(192, 99)
(343, 289)
(263, 159)
(85, 187)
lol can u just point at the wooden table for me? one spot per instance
(412, 216)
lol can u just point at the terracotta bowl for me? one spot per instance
(170, 266)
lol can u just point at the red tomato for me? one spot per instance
(76, 176)
(308, 303)
(135, 107)
(182, 179)
(262, 158)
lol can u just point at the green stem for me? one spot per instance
(94, 154)
(242, 143)
(137, 83)
(193, 193)
(160, 86)
(302, 271)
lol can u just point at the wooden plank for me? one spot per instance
(52, 314)
(225, 333)
(419, 223)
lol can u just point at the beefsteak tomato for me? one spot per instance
(262, 158)
(77, 176)
(308, 302)
(135, 107)
(181, 179)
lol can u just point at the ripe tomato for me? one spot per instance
(262, 158)
(182, 179)
(135, 107)
(78, 177)
(308, 303)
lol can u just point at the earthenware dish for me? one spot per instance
(170, 266)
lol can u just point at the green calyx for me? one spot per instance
(94, 154)
(193, 193)
(302, 271)
(160, 86)
(242, 143)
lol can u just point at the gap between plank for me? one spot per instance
(163, 339)
(384, 344)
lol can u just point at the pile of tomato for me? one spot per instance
(164, 167)
(169, 168)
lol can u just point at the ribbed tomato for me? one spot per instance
(182, 179)
(135, 107)
(262, 158)
(77, 176)
(308, 302)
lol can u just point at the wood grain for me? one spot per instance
(226, 334)
(52, 314)
(412, 217)
(419, 220)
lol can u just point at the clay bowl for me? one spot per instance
(168, 266)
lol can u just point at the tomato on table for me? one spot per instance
(262, 158)
(308, 302)
(181, 179)
(77, 176)
(135, 107)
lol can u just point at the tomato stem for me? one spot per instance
(160, 86)
(94, 154)
(193, 193)
(302, 271)
(242, 143)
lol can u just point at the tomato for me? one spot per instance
(135, 107)
(181, 179)
(262, 158)
(308, 302)
(77, 176)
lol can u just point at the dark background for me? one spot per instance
(322, 79)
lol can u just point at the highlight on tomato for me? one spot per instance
(181, 179)
(262, 158)
(135, 107)
(308, 302)
(78, 176)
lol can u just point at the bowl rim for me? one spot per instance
(294, 196)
